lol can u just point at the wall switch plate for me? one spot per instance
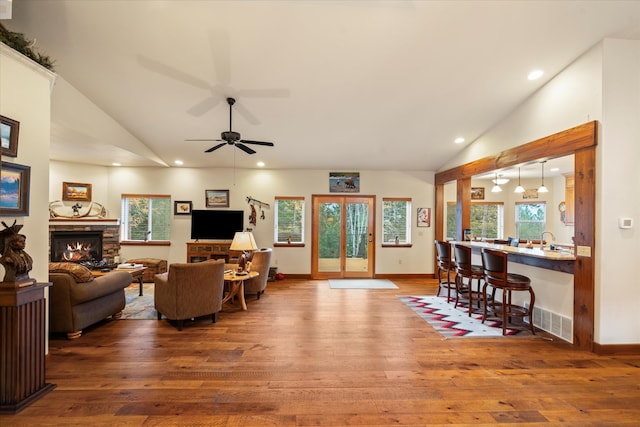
(584, 251)
(625, 222)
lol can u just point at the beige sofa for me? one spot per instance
(78, 300)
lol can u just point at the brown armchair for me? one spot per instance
(189, 290)
(260, 262)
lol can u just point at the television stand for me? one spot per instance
(201, 251)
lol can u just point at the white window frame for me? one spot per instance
(402, 240)
(300, 222)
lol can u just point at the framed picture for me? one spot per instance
(9, 129)
(530, 194)
(182, 208)
(344, 182)
(76, 192)
(216, 198)
(14, 197)
(424, 217)
(477, 193)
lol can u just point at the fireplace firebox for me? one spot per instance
(76, 246)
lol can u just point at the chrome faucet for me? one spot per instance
(553, 238)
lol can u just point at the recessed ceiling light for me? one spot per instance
(179, 162)
(458, 140)
(115, 164)
(260, 164)
(535, 74)
(554, 169)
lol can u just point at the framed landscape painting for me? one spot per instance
(76, 192)
(14, 189)
(216, 198)
(9, 132)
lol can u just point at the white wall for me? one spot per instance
(190, 184)
(25, 91)
(617, 298)
(604, 85)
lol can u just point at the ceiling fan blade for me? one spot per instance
(172, 73)
(208, 140)
(220, 48)
(215, 147)
(244, 148)
(247, 114)
(203, 106)
(246, 141)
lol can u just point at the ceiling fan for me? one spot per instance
(233, 138)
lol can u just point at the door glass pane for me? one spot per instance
(329, 236)
(357, 236)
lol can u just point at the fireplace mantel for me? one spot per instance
(88, 221)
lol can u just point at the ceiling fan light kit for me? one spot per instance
(233, 138)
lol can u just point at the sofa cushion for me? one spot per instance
(80, 273)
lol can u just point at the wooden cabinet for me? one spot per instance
(22, 354)
(569, 199)
(202, 251)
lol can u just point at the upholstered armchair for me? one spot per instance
(189, 290)
(260, 262)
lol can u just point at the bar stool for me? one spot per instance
(466, 270)
(494, 264)
(445, 265)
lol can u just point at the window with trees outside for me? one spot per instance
(487, 220)
(396, 221)
(289, 220)
(531, 220)
(145, 218)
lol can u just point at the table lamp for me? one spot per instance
(243, 241)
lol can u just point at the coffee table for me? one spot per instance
(136, 274)
(236, 286)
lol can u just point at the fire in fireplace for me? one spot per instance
(76, 246)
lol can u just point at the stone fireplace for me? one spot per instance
(80, 241)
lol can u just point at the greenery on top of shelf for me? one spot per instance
(18, 42)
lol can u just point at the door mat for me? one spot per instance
(139, 307)
(361, 284)
(453, 322)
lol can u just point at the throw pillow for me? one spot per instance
(80, 273)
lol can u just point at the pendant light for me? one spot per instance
(542, 188)
(519, 188)
(496, 188)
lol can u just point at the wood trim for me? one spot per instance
(584, 235)
(463, 206)
(146, 196)
(580, 141)
(396, 199)
(552, 146)
(288, 198)
(143, 243)
(616, 349)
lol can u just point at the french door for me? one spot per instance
(342, 233)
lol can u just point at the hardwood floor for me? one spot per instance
(307, 355)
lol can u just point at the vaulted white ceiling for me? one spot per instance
(343, 85)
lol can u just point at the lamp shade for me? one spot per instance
(243, 241)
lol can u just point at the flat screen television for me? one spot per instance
(216, 224)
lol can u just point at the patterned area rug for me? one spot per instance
(139, 307)
(453, 322)
(362, 284)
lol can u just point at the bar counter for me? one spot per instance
(558, 260)
(551, 274)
